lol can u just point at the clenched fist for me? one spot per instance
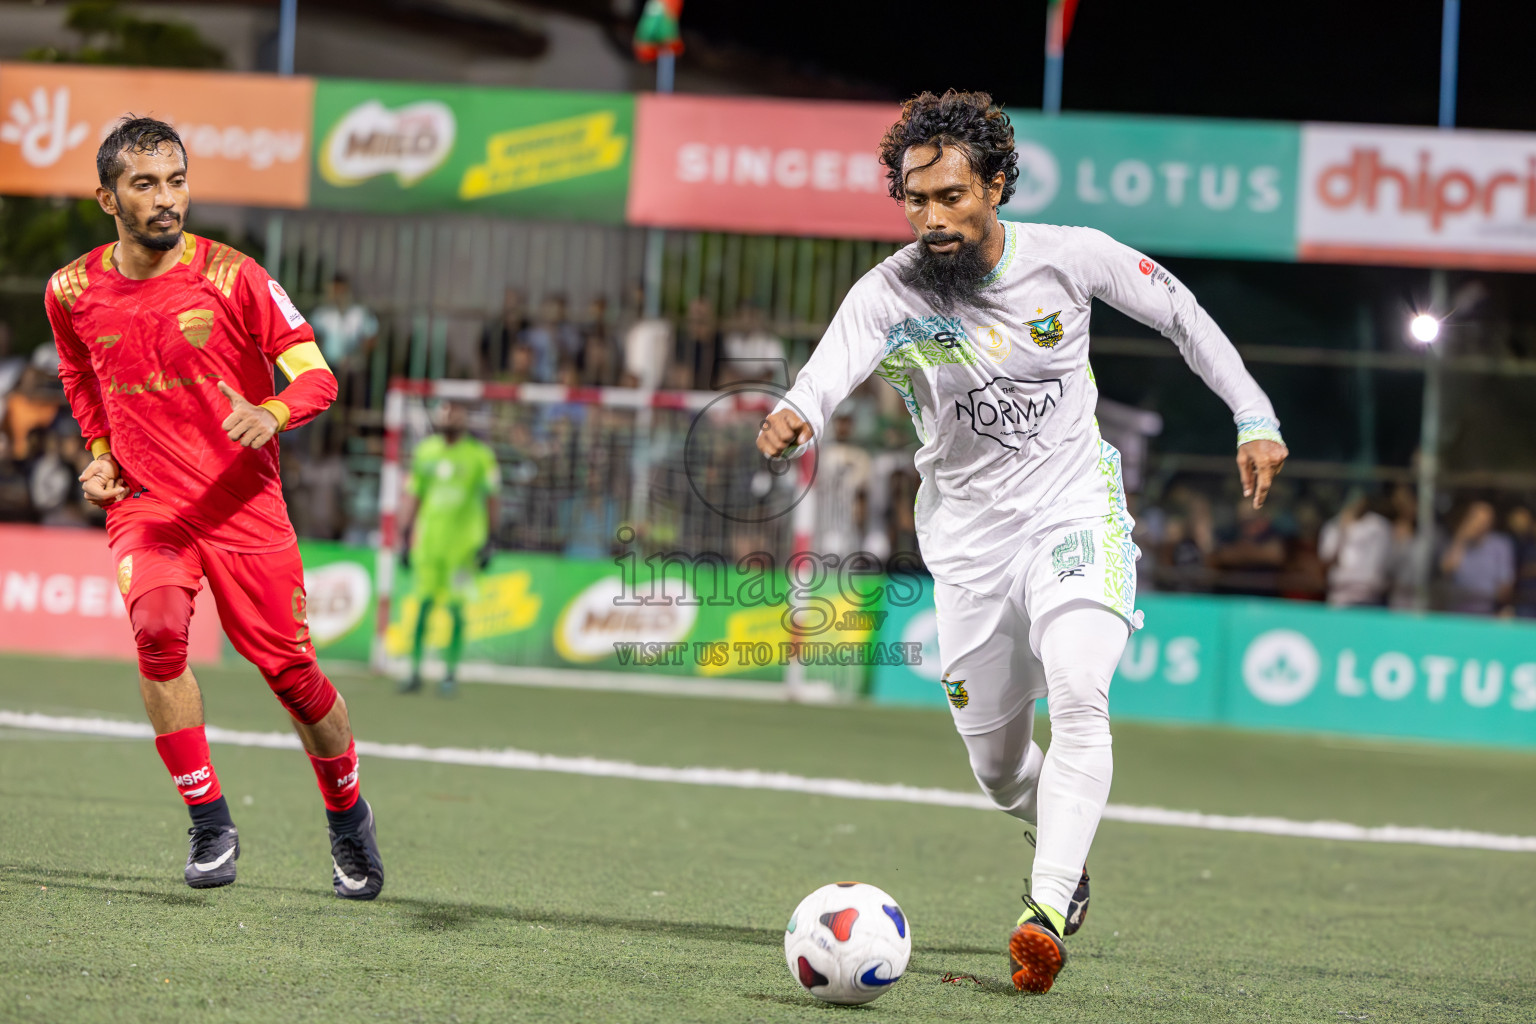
(782, 430)
(247, 424)
(103, 481)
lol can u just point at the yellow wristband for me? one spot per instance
(278, 409)
(100, 447)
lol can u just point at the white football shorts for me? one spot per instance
(989, 643)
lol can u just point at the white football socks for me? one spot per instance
(1080, 646)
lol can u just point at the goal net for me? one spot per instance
(642, 542)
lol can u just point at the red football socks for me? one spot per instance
(185, 753)
(338, 778)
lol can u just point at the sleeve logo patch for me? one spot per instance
(285, 304)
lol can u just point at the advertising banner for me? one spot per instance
(60, 595)
(1171, 670)
(247, 136)
(1444, 677)
(1162, 184)
(338, 584)
(405, 147)
(687, 620)
(1418, 196)
(763, 166)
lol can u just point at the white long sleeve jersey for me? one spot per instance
(1004, 402)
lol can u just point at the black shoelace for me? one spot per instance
(203, 839)
(351, 854)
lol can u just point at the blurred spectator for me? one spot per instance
(599, 356)
(1249, 554)
(1402, 591)
(10, 365)
(51, 485)
(1304, 578)
(555, 342)
(841, 491)
(15, 502)
(698, 349)
(752, 351)
(519, 365)
(501, 334)
(1522, 529)
(1480, 563)
(34, 403)
(1356, 548)
(647, 347)
(322, 483)
(346, 331)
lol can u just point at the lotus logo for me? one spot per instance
(1280, 667)
(370, 140)
(1039, 179)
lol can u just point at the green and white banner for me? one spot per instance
(1162, 184)
(1286, 665)
(405, 147)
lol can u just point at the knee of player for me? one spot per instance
(160, 620)
(305, 691)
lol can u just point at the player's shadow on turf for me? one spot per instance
(171, 899)
(435, 915)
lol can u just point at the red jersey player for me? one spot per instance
(166, 347)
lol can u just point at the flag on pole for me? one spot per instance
(657, 32)
(1058, 25)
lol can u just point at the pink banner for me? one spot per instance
(763, 166)
(59, 595)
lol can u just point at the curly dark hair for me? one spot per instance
(969, 120)
(133, 135)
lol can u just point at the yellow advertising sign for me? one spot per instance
(544, 153)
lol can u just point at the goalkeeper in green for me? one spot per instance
(452, 501)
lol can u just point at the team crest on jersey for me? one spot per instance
(955, 690)
(125, 575)
(196, 325)
(1046, 331)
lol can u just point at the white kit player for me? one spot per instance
(982, 326)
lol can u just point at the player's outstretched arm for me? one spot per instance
(1140, 288)
(781, 430)
(250, 426)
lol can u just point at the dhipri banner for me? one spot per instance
(1420, 197)
(59, 595)
(247, 136)
(406, 147)
(763, 166)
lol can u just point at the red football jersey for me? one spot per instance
(141, 362)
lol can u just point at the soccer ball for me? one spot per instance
(847, 943)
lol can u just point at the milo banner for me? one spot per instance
(1162, 184)
(407, 147)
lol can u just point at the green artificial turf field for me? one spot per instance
(516, 895)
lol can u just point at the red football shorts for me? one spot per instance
(260, 597)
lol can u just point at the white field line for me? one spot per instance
(735, 778)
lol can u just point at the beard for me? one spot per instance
(949, 280)
(152, 238)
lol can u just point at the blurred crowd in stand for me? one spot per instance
(1355, 548)
(569, 467)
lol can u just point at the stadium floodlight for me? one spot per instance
(1424, 328)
